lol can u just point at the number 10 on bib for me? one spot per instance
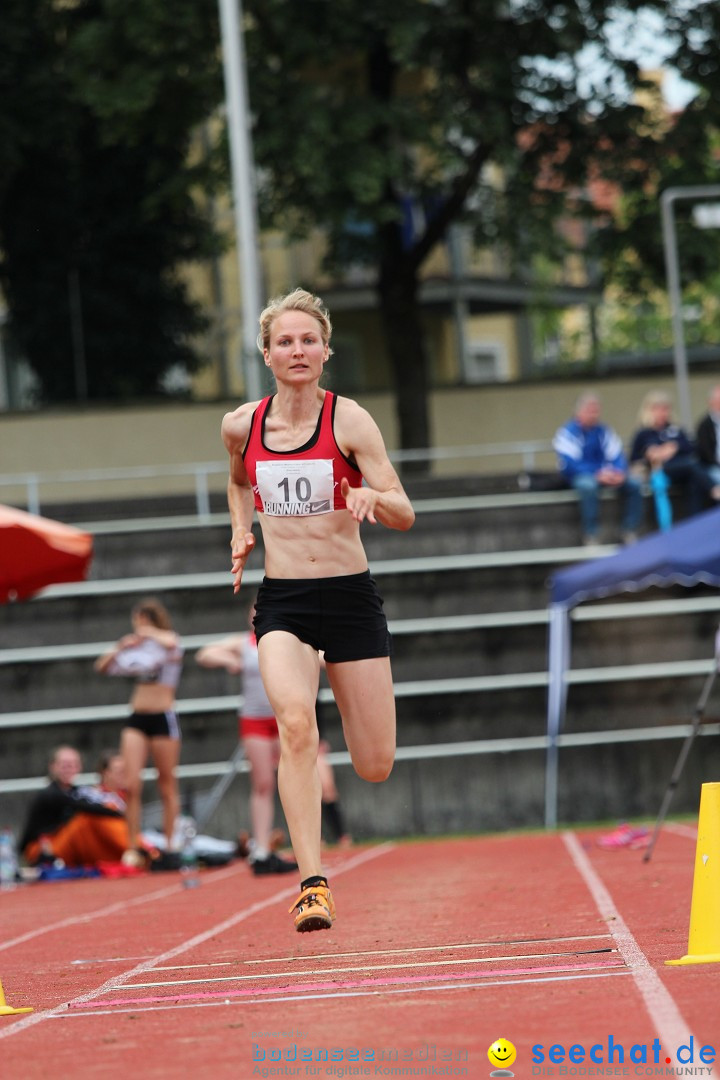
(296, 488)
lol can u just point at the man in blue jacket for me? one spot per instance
(591, 457)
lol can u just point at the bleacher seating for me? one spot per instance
(466, 595)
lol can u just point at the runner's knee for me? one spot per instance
(375, 769)
(263, 783)
(298, 733)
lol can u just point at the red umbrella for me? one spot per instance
(35, 552)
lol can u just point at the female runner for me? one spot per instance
(299, 457)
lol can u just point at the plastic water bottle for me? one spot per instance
(188, 857)
(8, 860)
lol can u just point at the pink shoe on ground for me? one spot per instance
(624, 836)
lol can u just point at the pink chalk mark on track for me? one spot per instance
(303, 987)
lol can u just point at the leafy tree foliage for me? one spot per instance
(387, 122)
(638, 317)
(689, 156)
(99, 100)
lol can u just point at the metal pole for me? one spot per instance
(682, 758)
(558, 658)
(202, 495)
(672, 270)
(78, 335)
(243, 186)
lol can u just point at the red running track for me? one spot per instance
(440, 948)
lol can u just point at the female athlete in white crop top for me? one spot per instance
(152, 655)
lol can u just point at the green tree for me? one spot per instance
(368, 113)
(632, 244)
(99, 100)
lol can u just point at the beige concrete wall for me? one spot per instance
(182, 434)
(509, 412)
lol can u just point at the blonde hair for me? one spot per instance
(648, 403)
(297, 300)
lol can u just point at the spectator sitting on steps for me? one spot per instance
(590, 457)
(707, 436)
(660, 443)
(63, 823)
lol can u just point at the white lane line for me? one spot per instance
(114, 909)
(171, 967)
(432, 948)
(682, 830)
(191, 967)
(199, 939)
(362, 967)
(661, 1006)
(288, 999)
(111, 959)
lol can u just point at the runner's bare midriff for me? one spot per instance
(322, 545)
(152, 698)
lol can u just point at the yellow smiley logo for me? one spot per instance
(502, 1053)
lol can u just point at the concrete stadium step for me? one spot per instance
(624, 698)
(204, 603)
(80, 510)
(33, 679)
(58, 682)
(634, 774)
(491, 558)
(445, 525)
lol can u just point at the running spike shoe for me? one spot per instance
(315, 909)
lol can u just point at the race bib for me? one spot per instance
(296, 488)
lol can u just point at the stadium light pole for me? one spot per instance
(243, 188)
(672, 269)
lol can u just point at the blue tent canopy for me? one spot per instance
(688, 554)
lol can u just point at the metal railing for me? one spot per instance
(32, 482)
(427, 752)
(433, 624)
(415, 688)
(200, 472)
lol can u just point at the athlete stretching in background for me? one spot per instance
(238, 654)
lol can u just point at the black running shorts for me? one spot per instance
(341, 616)
(155, 725)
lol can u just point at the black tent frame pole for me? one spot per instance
(697, 719)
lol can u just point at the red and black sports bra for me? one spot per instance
(301, 482)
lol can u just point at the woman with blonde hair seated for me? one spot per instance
(669, 454)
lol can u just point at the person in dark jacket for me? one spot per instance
(62, 823)
(707, 436)
(660, 443)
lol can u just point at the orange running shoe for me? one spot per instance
(315, 909)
